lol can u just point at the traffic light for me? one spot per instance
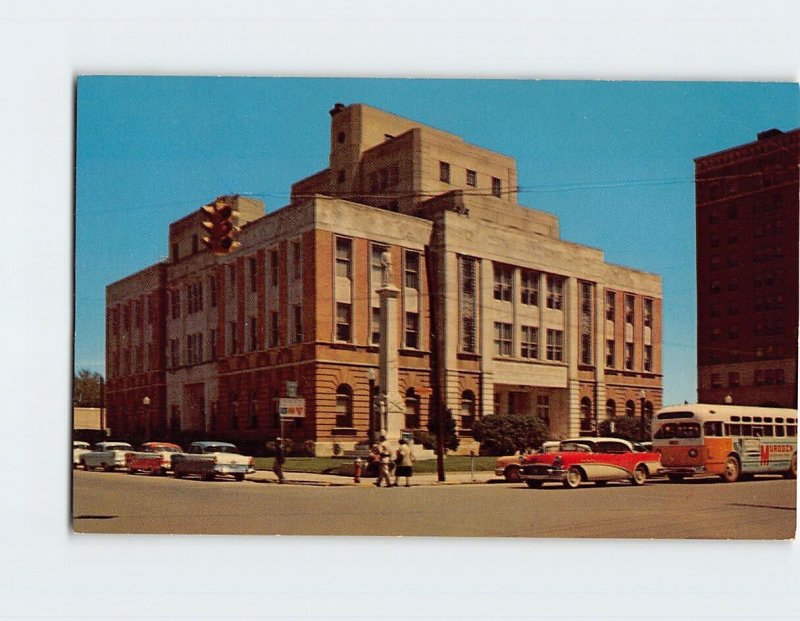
(220, 222)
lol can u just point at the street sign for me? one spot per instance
(291, 408)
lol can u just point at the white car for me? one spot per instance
(106, 455)
(210, 459)
(79, 448)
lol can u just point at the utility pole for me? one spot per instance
(436, 409)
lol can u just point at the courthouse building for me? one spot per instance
(494, 312)
(747, 242)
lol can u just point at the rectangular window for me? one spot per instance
(716, 380)
(530, 288)
(611, 306)
(253, 274)
(444, 172)
(497, 187)
(344, 252)
(412, 330)
(502, 338)
(253, 334)
(629, 306)
(648, 313)
(543, 408)
(375, 337)
(472, 178)
(297, 259)
(648, 358)
(212, 291)
(610, 353)
(468, 303)
(629, 356)
(412, 270)
(342, 322)
(586, 349)
(174, 353)
(555, 292)
(502, 283)
(273, 267)
(298, 323)
(555, 345)
(273, 329)
(530, 342)
(234, 329)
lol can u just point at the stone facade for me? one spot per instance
(494, 312)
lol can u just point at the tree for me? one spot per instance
(450, 436)
(625, 427)
(503, 434)
(86, 389)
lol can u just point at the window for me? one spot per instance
(253, 274)
(253, 334)
(648, 313)
(412, 410)
(467, 410)
(472, 178)
(716, 380)
(555, 292)
(273, 329)
(543, 408)
(610, 353)
(530, 288)
(234, 329)
(342, 322)
(297, 315)
(530, 342)
(375, 265)
(497, 187)
(212, 291)
(297, 259)
(629, 356)
(586, 349)
(630, 408)
(344, 251)
(375, 338)
(194, 298)
(611, 408)
(611, 306)
(555, 345)
(175, 298)
(586, 416)
(502, 338)
(174, 353)
(502, 283)
(344, 406)
(629, 306)
(648, 358)
(411, 269)
(444, 172)
(468, 303)
(273, 267)
(412, 330)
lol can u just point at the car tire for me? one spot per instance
(733, 469)
(675, 478)
(106, 468)
(162, 472)
(639, 475)
(131, 470)
(512, 474)
(177, 473)
(573, 478)
(791, 473)
(534, 484)
(238, 476)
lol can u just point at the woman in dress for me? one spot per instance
(404, 466)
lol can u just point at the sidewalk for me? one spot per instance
(334, 480)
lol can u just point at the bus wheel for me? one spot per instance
(791, 473)
(732, 470)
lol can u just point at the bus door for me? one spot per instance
(749, 450)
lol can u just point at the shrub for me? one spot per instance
(425, 439)
(503, 434)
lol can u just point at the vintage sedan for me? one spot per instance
(106, 455)
(210, 459)
(590, 459)
(79, 448)
(510, 466)
(152, 457)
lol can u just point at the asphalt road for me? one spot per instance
(764, 508)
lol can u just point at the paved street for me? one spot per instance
(120, 503)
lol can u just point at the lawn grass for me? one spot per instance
(325, 465)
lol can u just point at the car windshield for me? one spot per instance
(168, 449)
(220, 448)
(678, 430)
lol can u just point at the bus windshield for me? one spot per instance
(678, 430)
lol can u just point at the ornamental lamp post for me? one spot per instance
(146, 403)
(371, 428)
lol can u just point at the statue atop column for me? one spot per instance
(386, 265)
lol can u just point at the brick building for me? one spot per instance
(495, 312)
(747, 254)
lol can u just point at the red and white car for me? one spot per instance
(509, 466)
(590, 459)
(152, 457)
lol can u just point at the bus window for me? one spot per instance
(791, 430)
(712, 429)
(757, 431)
(735, 430)
(746, 419)
(688, 430)
(766, 430)
(779, 433)
(747, 430)
(666, 431)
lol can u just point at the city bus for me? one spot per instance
(730, 441)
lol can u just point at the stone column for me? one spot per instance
(392, 422)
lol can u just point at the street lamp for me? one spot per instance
(146, 404)
(371, 430)
(642, 395)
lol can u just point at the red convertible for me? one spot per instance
(591, 459)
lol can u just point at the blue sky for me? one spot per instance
(613, 160)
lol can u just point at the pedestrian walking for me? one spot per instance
(404, 463)
(280, 457)
(386, 460)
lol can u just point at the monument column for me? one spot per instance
(392, 420)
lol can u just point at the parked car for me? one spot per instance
(152, 457)
(509, 466)
(210, 459)
(590, 459)
(106, 455)
(79, 448)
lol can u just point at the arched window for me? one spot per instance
(344, 406)
(467, 410)
(412, 409)
(611, 408)
(586, 415)
(630, 408)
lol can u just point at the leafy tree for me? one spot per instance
(625, 427)
(450, 436)
(86, 389)
(503, 434)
